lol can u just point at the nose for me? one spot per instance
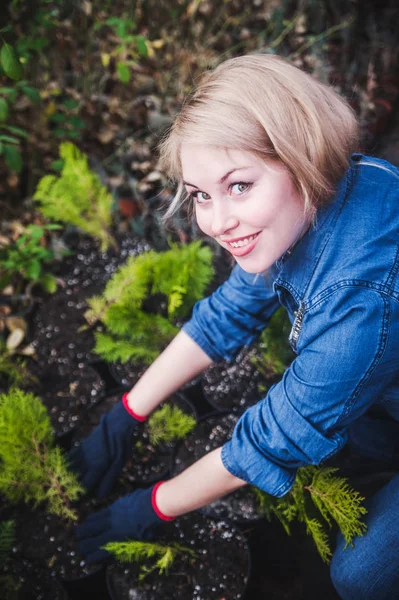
(223, 219)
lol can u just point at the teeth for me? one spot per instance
(243, 242)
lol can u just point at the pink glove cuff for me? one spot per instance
(130, 411)
(154, 503)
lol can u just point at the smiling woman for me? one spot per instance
(253, 211)
(265, 153)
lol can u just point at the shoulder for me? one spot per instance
(372, 173)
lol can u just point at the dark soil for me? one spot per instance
(211, 433)
(220, 569)
(23, 580)
(148, 463)
(66, 383)
(236, 384)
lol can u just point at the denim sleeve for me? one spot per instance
(233, 316)
(347, 354)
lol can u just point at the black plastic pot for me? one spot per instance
(88, 586)
(194, 394)
(220, 569)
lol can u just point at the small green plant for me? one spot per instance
(65, 119)
(33, 468)
(162, 556)
(178, 278)
(168, 424)
(13, 368)
(24, 260)
(274, 351)
(129, 48)
(317, 498)
(77, 196)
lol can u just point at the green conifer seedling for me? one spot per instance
(162, 556)
(178, 278)
(32, 468)
(334, 500)
(168, 424)
(77, 196)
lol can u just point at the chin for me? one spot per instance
(255, 267)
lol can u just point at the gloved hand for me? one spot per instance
(134, 516)
(101, 456)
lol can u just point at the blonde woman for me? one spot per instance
(265, 155)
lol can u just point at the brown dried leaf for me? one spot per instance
(14, 339)
(14, 323)
(28, 351)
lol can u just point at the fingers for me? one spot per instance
(94, 524)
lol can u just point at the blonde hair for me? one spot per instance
(264, 105)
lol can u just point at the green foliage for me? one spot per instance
(162, 556)
(10, 62)
(168, 424)
(66, 120)
(179, 275)
(32, 467)
(273, 347)
(13, 368)
(7, 537)
(129, 48)
(26, 257)
(318, 498)
(10, 136)
(8, 582)
(77, 196)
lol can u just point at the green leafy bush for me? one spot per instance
(77, 196)
(178, 276)
(26, 257)
(32, 468)
(168, 424)
(317, 498)
(162, 556)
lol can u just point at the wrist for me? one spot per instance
(125, 401)
(155, 505)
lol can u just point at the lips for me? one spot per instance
(242, 246)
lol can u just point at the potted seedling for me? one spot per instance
(196, 558)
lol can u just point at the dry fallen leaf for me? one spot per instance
(28, 351)
(14, 339)
(14, 323)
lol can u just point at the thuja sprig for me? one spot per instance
(169, 424)
(161, 556)
(32, 468)
(334, 500)
(178, 278)
(77, 196)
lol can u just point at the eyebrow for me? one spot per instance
(222, 179)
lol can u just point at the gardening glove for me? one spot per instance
(133, 517)
(102, 455)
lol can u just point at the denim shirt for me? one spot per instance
(340, 287)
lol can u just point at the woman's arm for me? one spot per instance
(202, 483)
(179, 363)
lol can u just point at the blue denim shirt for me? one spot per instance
(340, 287)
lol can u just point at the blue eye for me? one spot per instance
(200, 197)
(240, 187)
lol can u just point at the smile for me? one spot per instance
(242, 246)
(243, 242)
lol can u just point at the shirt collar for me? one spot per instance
(295, 267)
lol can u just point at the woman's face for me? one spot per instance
(248, 206)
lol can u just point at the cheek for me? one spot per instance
(203, 220)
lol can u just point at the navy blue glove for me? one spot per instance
(134, 516)
(102, 455)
